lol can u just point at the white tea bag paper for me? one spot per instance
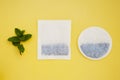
(54, 39)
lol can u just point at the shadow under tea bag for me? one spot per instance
(54, 39)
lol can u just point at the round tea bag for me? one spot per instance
(94, 43)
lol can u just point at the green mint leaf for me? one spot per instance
(21, 48)
(25, 37)
(18, 32)
(16, 43)
(14, 39)
(23, 31)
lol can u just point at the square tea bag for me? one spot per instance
(54, 39)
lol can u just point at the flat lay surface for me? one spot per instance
(24, 14)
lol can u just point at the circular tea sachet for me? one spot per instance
(94, 43)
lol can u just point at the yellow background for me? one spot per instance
(24, 14)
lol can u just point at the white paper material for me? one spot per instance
(54, 39)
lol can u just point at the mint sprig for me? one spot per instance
(20, 37)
